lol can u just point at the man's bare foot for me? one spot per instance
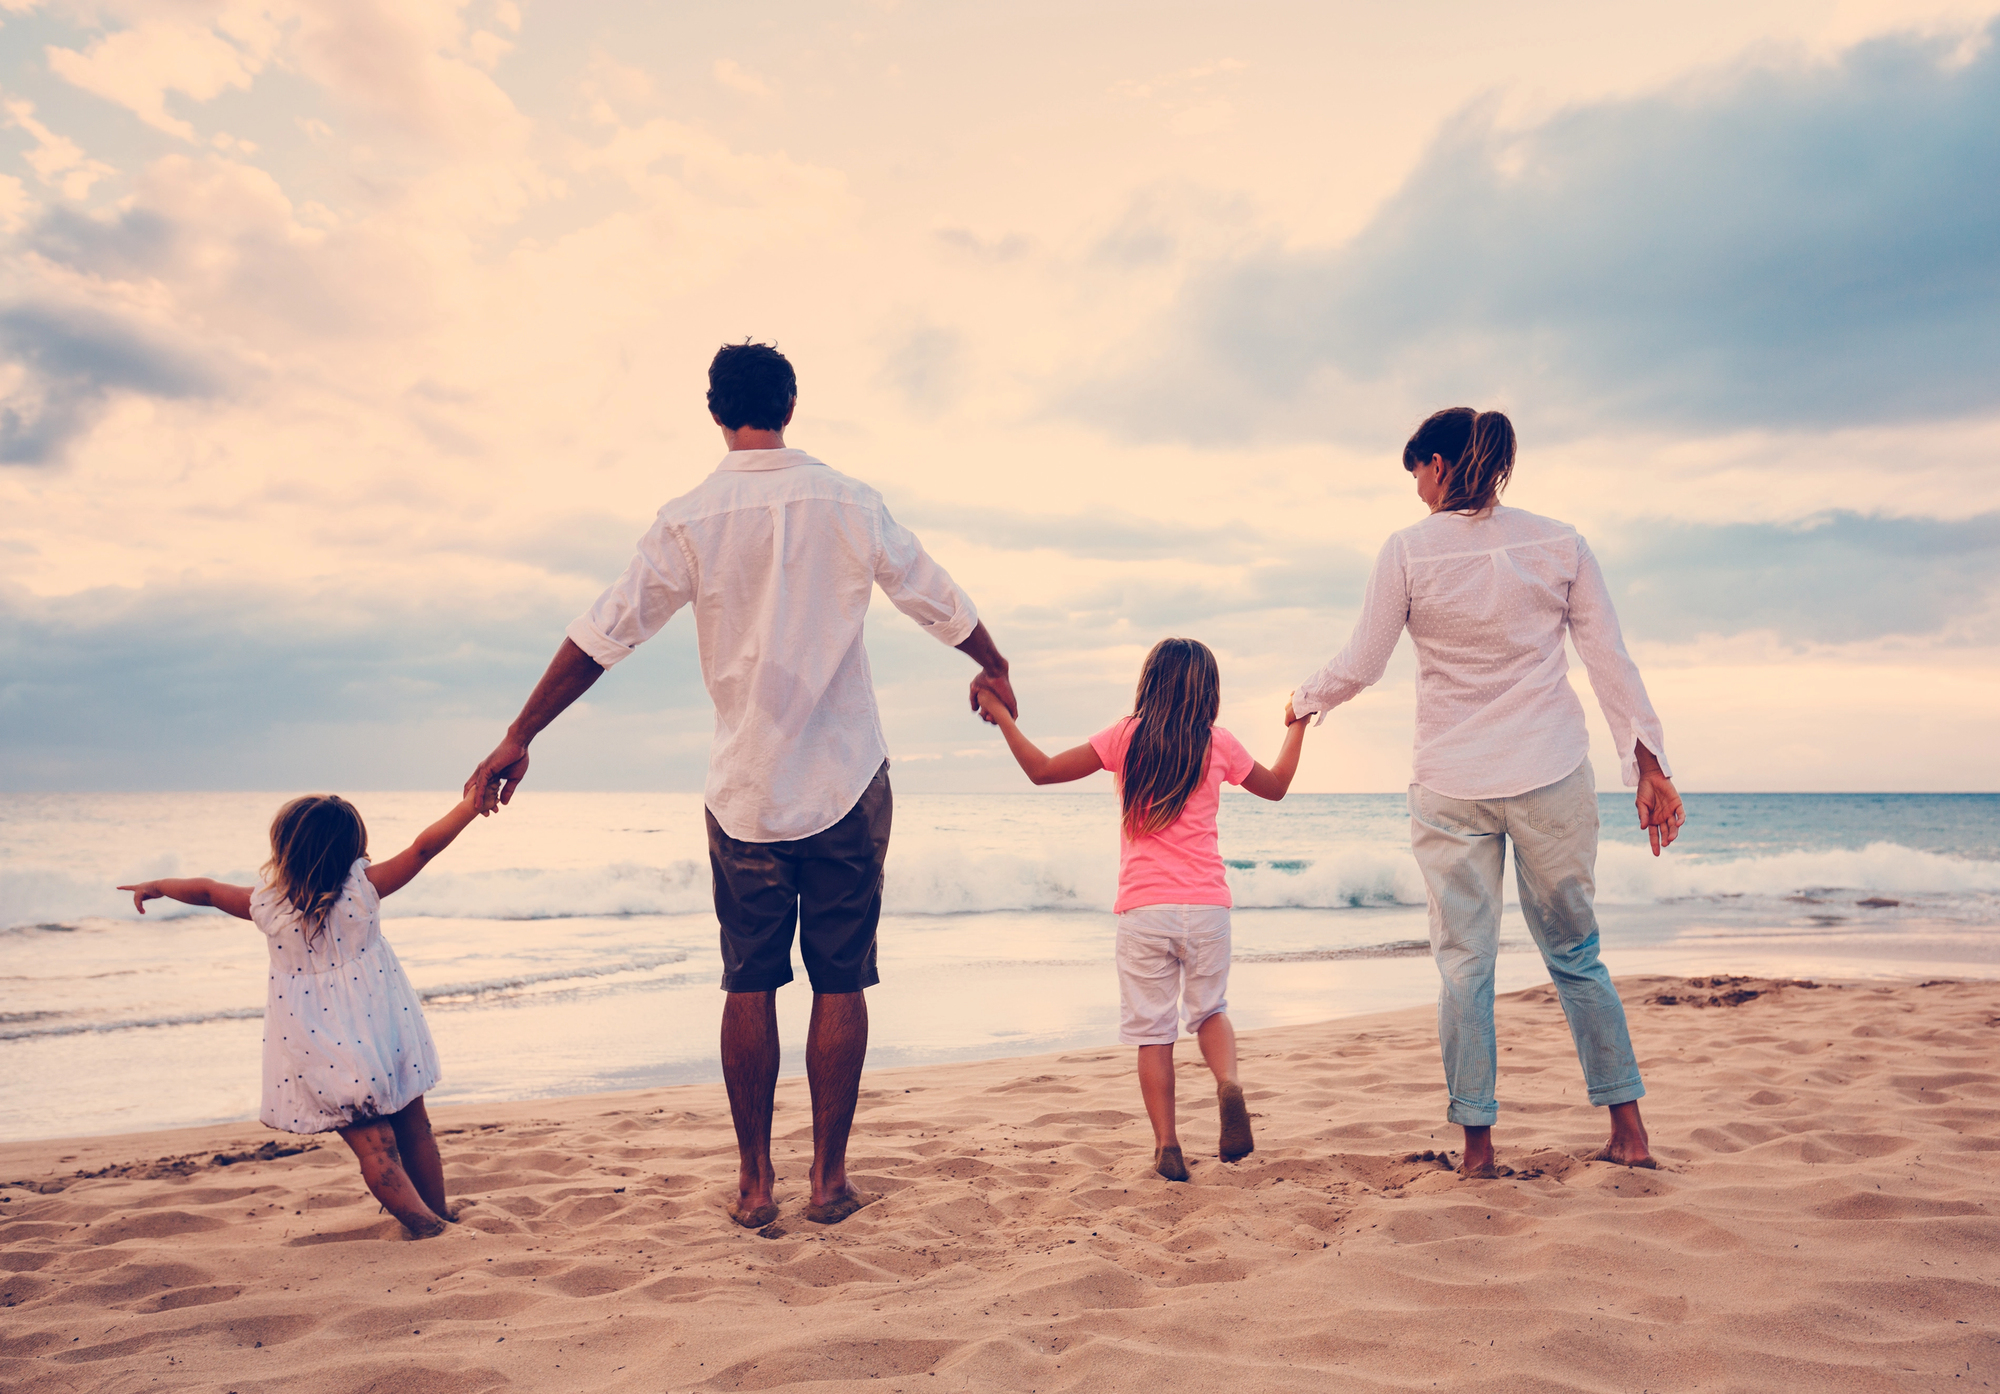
(1477, 1164)
(1629, 1145)
(1168, 1163)
(833, 1211)
(1236, 1139)
(752, 1215)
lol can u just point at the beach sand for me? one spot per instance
(1824, 1219)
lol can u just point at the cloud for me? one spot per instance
(737, 78)
(927, 367)
(1815, 245)
(56, 159)
(1099, 536)
(191, 684)
(1836, 578)
(70, 363)
(136, 68)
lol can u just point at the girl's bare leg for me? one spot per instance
(1156, 1087)
(420, 1155)
(1218, 1048)
(374, 1145)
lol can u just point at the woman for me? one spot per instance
(1501, 752)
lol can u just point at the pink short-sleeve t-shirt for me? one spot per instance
(1181, 864)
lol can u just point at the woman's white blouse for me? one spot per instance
(1487, 600)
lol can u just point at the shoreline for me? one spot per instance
(1824, 1217)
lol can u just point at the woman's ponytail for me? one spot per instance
(1478, 451)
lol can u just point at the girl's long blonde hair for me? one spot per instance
(1180, 693)
(315, 840)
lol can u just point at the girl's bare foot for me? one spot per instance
(1167, 1161)
(1236, 1141)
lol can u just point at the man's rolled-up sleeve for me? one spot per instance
(919, 587)
(635, 607)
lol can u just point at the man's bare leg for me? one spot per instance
(750, 1070)
(374, 1145)
(1629, 1145)
(1156, 1087)
(420, 1155)
(835, 1049)
(1218, 1048)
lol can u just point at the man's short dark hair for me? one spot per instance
(751, 385)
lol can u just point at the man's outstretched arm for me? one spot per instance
(570, 674)
(978, 646)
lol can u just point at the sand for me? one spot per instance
(1824, 1219)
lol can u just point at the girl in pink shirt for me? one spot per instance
(1170, 760)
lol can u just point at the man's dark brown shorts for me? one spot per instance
(827, 886)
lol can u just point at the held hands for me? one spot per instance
(989, 704)
(993, 685)
(498, 776)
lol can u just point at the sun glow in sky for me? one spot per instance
(346, 347)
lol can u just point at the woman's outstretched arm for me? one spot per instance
(391, 876)
(193, 890)
(1385, 610)
(1040, 768)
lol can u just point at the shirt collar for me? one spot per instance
(780, 459)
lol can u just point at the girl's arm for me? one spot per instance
(391, 876)
(1272, 783)
(193, 890)
(1040, 768)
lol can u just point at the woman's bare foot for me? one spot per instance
(1167, 1161)
(1236, 1141)
(1477, 1164)
(1629, 1145)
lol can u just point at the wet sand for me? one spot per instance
(1824, 1218)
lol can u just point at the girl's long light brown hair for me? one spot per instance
(1180, 693)
(314, 843)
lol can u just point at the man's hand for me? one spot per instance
(569, 675)
(979, 647)
(498, 775)
(1658, 802)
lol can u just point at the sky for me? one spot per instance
(347, 347)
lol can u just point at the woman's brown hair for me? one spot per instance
(1478, 452)
(314, 843)
(1180, 693)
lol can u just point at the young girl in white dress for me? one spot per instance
(345, 1045)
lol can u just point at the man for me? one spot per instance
(779, 555)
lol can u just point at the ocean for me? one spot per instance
(567, 945)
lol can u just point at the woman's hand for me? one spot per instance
(1658, 802)
(143, 892)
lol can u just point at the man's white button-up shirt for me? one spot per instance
(779, 556)
(1488, 600)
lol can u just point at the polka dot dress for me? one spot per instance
(344, 1033)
